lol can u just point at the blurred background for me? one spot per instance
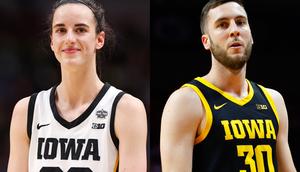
(177, 56)
(27, 65)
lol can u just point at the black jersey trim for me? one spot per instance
(116, 168)
(112, 120)
(30, 112)
(83, 116)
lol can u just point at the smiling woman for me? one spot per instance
(88, 27)
(63, 130)
(74, 37)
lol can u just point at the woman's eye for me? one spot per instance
(60, 30)
(81, 30)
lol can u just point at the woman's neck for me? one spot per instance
(78, 87)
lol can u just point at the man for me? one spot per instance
(222, 121)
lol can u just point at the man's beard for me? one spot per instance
(231, 62)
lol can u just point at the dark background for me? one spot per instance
(27, 65)
(177, 56)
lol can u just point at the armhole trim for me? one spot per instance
(116, 164)
(201, 135)
(112, 120)
(30, 112)
(271, 101)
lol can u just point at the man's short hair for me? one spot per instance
(210, 5)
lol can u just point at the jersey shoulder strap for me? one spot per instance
(112, 120)
(30, 112)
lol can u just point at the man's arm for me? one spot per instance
(131, 130)
(180, 120)
(19, 141)
(284, 157)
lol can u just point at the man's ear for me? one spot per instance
(205, 41)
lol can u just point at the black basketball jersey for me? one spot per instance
(240, 134)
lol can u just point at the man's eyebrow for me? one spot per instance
(226, 18)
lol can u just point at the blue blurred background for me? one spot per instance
(27, 65)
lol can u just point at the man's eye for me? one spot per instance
(223, 25)
(241, 22)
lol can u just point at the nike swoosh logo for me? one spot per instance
(219, 107)
(40, 126)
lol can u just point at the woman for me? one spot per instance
(81, 124)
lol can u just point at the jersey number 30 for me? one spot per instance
(249, 152)
(57, 169)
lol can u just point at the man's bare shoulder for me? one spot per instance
(185, 96)
(184, 102)
(275, 95)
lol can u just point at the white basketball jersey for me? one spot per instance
(87, 144)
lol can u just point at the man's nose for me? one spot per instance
(234, 30)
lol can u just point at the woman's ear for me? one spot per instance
(51, 43)
(100, 40)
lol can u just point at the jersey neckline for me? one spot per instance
(239, 101)
(81, 117)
